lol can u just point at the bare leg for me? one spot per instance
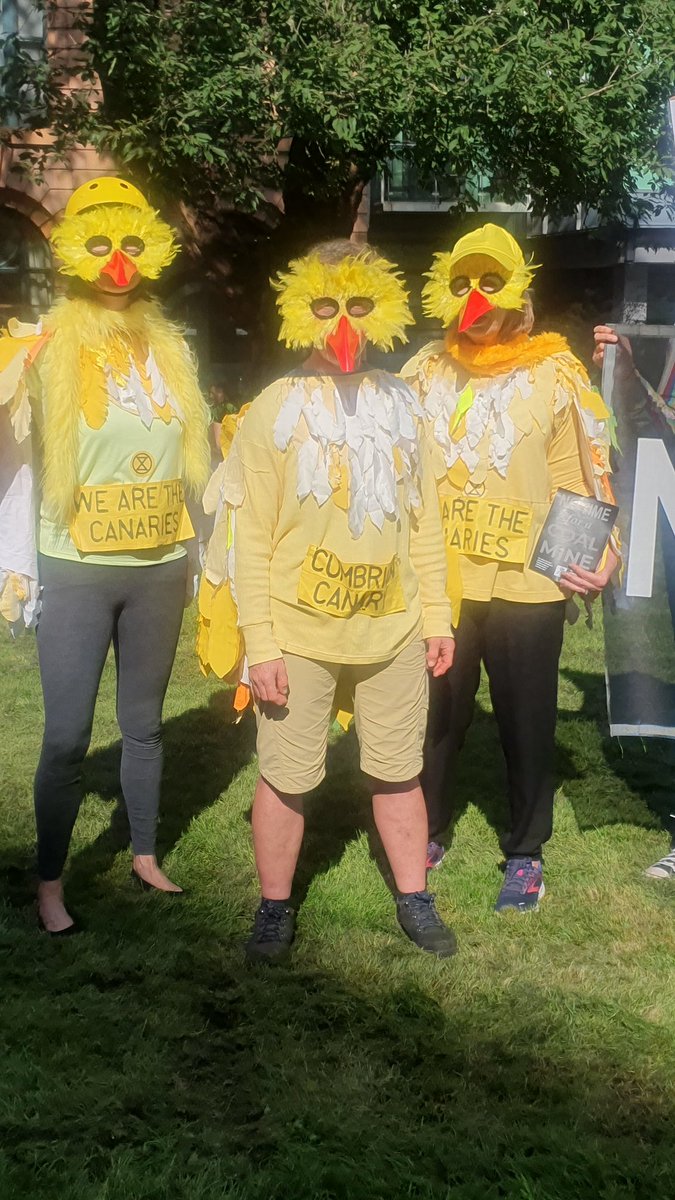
(145, 866)
(401, 819)
(278, 824)
(53, 912)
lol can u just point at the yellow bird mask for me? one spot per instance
(341, 305)
(485, 270)
(110, 232)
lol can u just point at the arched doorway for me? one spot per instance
(26, 269)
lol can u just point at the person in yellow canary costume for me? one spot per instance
(513, 418)
(103, 432)
(329, 535)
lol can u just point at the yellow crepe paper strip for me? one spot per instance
(12, 597)
(220, 645)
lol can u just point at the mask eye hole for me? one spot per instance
(133, 246)
(325, 307)
(98, 245)
(359, 306)
(460, 285)
(491, 282)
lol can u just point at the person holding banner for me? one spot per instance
(339, 577)
(102, 397)
(513, 419)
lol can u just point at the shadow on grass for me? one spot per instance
(203, 752)
(192, 1077)
(588, 764)
(646, 767)
(480, 777)
(335, 813)
(341, 808)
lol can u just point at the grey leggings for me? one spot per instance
(85, 607)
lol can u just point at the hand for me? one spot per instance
(440, 653)
(269, 682)
(588, 583)
(604, 336)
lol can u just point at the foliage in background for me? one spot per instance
(143, 1060)
(563, 101)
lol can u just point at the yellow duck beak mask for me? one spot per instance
(485, 270)
(110, 233)
(342, 305)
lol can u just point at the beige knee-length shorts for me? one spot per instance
(391, 700)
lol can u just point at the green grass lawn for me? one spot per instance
(144, 1061)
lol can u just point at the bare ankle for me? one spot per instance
(50, 888)
(148, 861)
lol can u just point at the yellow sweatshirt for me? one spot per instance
(507, 434)
(339, 548)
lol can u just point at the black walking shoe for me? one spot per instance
(273, 932)
(418, 918)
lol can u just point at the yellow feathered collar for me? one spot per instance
(502, 357)
(79, 328)
(95, 324)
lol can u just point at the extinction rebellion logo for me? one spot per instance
(142, 463)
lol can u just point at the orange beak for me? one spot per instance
(475, 308)
(120, 269)
(345, 343)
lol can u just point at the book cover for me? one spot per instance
(576, 530)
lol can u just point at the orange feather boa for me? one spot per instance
(500, 357)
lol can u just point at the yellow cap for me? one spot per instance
(491, 241)
(107, 189)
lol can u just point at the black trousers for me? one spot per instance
(520, 646)
(85, 607)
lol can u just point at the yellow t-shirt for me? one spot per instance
(338, 547)
(131, 491)
(501, 452)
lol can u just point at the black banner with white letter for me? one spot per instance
(639, 611)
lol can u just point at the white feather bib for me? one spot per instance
(371, 423)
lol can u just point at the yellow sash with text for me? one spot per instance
(342, 589)
(130, 516)
(494, 529)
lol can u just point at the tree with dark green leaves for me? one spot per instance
(562, 101)
(222, 105)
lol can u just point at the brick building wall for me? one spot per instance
(28, 208)
(42, 202)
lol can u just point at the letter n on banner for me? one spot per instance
(654, 484)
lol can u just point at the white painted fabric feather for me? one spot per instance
(223, 495)
(129, 393)
(487, 417)
(18, 551)
(371, 418)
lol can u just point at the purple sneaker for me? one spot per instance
(523, 885)
(435, 855)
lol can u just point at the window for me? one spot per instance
(25, 268)
(22, 32)
(23, 20)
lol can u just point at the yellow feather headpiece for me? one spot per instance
(114, 216)
(364, 287)
(487, 252)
